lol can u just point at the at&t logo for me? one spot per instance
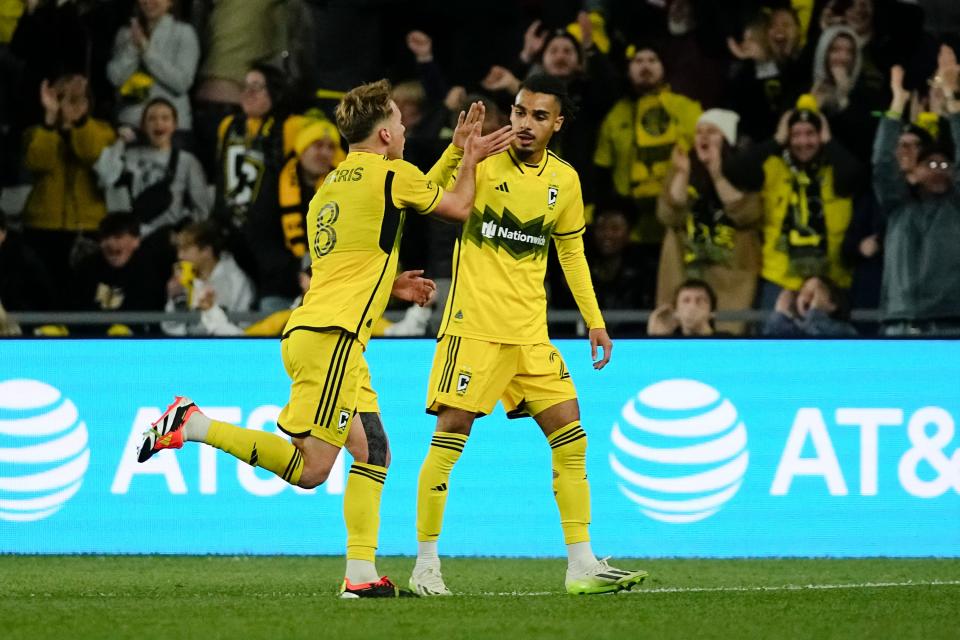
(43, 450)
(682, 451)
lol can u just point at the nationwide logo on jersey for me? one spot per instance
(682, 451)
(518, 239)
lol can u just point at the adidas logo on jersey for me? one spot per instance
(459, 315)
(439, 487)
(502, 187)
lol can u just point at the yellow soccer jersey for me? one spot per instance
(354, 226)
(500, 259)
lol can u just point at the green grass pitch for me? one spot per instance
(294, 597)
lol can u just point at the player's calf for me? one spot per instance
(315, 459)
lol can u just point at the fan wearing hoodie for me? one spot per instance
(845, 97)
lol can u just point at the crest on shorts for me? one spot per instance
(463, 380)
(343, 421)
(555, 358)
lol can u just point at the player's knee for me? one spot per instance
(378, 447)
(313, 476)
(358, 450)
(455, 421)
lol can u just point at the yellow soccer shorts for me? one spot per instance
(473, 374)
(330, 382)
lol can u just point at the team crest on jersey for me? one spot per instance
(552, 192)
(463, 381)
(344, 420)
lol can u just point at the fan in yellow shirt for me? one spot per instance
(493, 339)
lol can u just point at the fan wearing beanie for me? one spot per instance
(711, 225)
(807, 181)
(317, 151)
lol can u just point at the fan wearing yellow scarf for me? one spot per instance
(317, 151)
(807, 182)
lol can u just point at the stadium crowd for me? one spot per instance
(793, 157)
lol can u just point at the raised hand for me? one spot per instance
(828, 18)
(900, 95)
(680, 159)
(841, 78)
(748, 49)
(783, 129)
(207, 299)
(821, 301)
(496, 141)
(948, 69)
(586, 30)
(712, 161)
(870, 246)
(599, 338)
(127, 133)
(533, 41)
(455, 98)
(421, 45)
(786, 302)
(825, 134)
(466, 122)
(500, 79)
(662, 322)
(138, 36)
(478, 147)
(50, 102)
(412, 287)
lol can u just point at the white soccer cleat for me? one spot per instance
(427, 581)
(602, 578)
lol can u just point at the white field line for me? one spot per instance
(640, 591)
(637, 591)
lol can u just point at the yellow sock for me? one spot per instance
(361, 509)
(258, 449)
(570, 486)
(445, 450)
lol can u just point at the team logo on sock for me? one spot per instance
(344, 420)
(463, 379)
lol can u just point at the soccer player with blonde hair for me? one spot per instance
(354, 226)
(493, 337)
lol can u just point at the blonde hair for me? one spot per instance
(411, 91)
(362, 108)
